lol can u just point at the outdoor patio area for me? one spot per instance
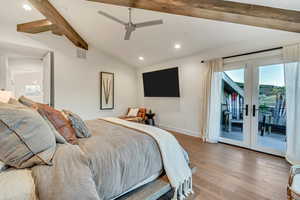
(273, 140)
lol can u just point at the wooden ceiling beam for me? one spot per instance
(57, 31)
(50, 12)
(38, 26)
(220, 10)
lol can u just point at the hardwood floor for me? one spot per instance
(231, 173)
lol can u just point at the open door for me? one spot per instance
(48, 74)
(3, 72)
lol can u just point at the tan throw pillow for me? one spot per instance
(60, 123)
(133, 112)
(25, 138)
(58, 137)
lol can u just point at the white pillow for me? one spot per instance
(17, 185)
(133, 112)
(5, 96)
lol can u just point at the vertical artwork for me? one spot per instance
(106, 91)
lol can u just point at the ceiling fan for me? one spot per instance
(130, 26)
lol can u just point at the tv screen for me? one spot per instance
(163, 83)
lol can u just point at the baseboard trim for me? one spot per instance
(179, 130)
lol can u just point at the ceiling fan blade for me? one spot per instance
(111, 17)
(150, 23)
(127, 35)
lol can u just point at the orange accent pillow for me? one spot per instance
(60, 123)
(142, 113)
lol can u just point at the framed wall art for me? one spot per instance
(107, 84)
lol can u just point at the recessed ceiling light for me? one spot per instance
(141, 58)
(177, 46)
(27, 7)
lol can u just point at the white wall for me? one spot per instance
(184, 114)
(77, 82)
(178, 114)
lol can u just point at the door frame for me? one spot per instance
(250, 123)
(255, 101)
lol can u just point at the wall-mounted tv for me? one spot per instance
(163, 83)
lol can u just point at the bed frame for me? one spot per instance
(153, 191)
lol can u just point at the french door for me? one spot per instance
(253, 107)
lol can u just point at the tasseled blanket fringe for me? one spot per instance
(184, 190)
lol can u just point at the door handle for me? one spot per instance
(254, 110)
(246, 109)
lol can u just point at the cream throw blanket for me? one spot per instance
(175, 165)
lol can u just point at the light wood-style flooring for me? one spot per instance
(227, 172)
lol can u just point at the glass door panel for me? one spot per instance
(234, 108)
(270, 110)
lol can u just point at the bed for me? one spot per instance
(118, 158)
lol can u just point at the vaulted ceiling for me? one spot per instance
(156, 43)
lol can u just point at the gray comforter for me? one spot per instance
(102, 167)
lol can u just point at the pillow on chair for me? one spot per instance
(5, 96)
(142, 112)
(133, 112)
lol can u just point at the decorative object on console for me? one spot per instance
(107, 91)
(150, 118)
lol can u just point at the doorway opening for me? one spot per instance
(253, 108)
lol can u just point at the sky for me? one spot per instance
(268, 75)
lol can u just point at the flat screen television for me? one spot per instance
(163, 83)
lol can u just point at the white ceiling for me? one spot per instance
(19, 51)
(154, 43)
